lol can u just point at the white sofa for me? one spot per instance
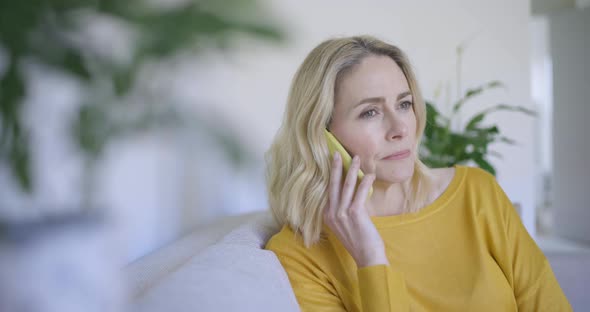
(222, 267)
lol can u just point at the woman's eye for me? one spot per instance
(406, 105)
(368, 114)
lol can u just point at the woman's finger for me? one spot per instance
(363, 191)
(349, 186)
(334, 184)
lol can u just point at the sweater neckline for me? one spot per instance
(438, 204)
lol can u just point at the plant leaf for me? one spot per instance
(496, 154)
(471, 93)
(14, 139)
(472, 124)
(483, 164)
(513, 108)
(507, 140)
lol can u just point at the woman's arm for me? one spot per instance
(312, 287)
(534, 284)
(380, 287)
(347, 217)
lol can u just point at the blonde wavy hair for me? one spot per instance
(298, 161)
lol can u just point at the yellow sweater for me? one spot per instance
(467, 251)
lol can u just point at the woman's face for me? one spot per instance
(374, 118)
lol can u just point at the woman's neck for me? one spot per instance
(388, 198)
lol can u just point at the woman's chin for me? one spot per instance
(396, 175)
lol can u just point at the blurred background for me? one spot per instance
(158, 113)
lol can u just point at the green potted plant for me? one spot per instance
(445, 146)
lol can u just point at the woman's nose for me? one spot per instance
(397, 128)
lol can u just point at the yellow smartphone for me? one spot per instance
(334, 145)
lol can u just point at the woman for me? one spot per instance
(426, 239)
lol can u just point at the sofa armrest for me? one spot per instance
(146, 271)
(234, 274)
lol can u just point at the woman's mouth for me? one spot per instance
(399, 155)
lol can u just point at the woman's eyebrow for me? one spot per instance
(380, 99)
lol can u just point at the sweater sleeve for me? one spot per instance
(382, 289)
(313, 289)
(534, 284)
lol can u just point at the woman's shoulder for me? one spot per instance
(284, 238)
(288, 243)
(465, 183)
(476, 172)
(482, 188)
(444, 176)
(475, 176)
(459, 178)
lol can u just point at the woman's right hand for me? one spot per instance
(348, 218)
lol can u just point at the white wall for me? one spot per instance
(570, 48)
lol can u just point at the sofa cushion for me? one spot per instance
(151, 268)
(235, 274)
